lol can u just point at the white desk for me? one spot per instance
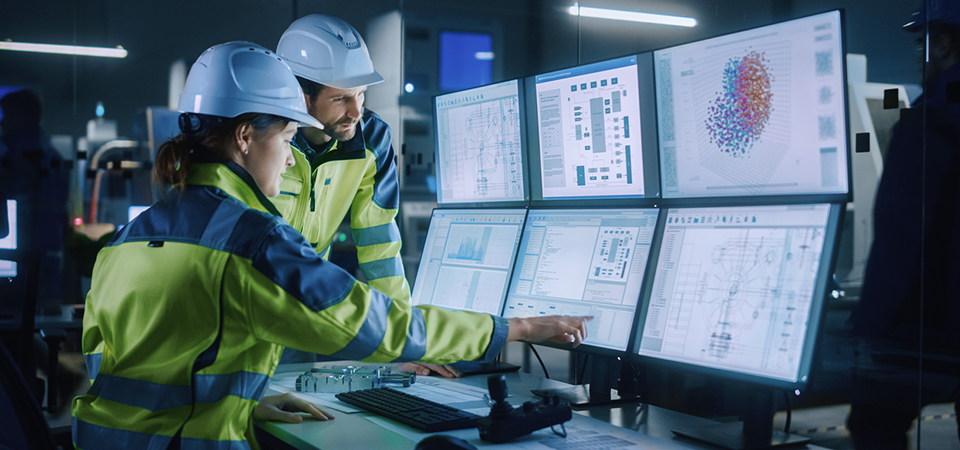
(651, 425)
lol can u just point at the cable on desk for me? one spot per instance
(583, 369)
(542, 365)
(562, 428)
(786, 400)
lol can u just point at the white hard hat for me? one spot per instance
(329, 51)
(242, 77)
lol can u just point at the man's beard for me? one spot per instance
(334, 131)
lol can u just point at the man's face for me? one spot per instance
(339, 110)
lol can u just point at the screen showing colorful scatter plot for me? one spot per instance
(759, 112)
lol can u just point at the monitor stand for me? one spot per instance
(754, 433)
(598, 392)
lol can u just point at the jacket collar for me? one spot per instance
(231, 178)
(356, 144)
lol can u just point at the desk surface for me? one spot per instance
(652, 424)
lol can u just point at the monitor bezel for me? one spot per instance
(830, 197)
(828, 258)
(524, 154)
(586, 347)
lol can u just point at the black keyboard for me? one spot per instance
(410, 410)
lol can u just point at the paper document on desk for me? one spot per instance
(434, 389)
(286, 382)
(444, 391)
(582, 432)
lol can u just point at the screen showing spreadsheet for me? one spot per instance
(467, 258)
(479, 145)
(588, 122)
(736, 288)
(584, 262)
(759, 112)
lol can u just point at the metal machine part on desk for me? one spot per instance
(332, 380)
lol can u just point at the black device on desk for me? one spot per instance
(410, 410)
(505, 422)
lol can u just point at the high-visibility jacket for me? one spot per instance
(359, 176)
(191, 304)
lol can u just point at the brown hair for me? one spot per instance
(174, 156)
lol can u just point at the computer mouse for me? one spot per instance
(443, 442)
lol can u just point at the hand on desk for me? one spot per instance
(284, 408)
(559, 329)
(423, 369)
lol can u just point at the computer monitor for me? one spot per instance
(738, 292)
(584, 263)
(467, 258)
(479, 145)
(760, 112)
(589, 124)
(9, 242)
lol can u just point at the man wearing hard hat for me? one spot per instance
(350, 165)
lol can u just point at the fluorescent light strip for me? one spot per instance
(78, 50)
(601, 13)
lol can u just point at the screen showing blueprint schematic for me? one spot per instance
(759, 112)
(584, 263)
(467, 258)
(734, 288)
(478, 145)
(589, 131)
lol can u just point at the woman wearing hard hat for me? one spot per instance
(191, 303)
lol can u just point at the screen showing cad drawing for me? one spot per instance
(478, 142)
(734, 288)
(467, 258)
(584, 263)
(589, 122)
(760, 112)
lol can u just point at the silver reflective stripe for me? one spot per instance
(246, 385)
(93, 364)
(380, 234)
(142, 394)
(416, 345)
(220, 228)
(383, 268)
(372, 331)
(90, 436)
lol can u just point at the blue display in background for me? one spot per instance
(4, 90)
(460, 67)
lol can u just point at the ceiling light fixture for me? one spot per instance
(78, 50)
(631, 16)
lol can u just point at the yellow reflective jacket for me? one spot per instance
(359, 176)
(191, 304)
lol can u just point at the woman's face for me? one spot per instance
(268, 156)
